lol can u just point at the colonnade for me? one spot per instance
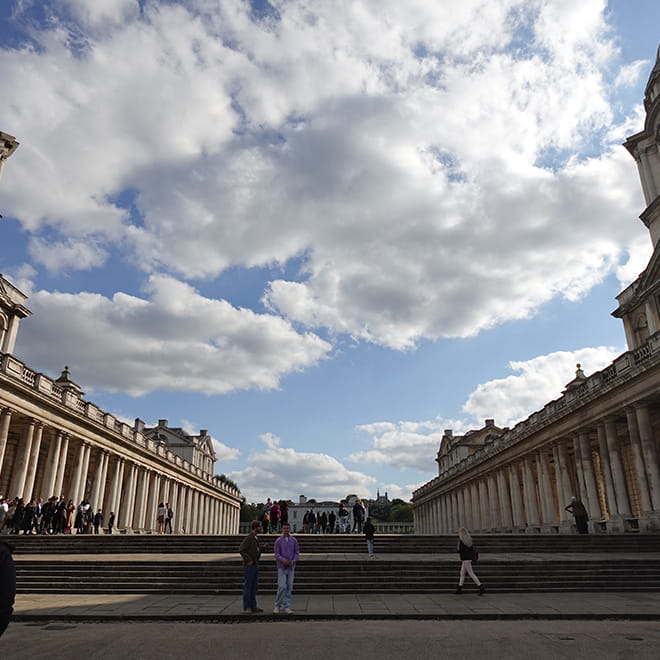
(611, 465)
(38, 461)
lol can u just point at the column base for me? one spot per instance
(616, 525)
(650, 522)
(549, 529)
(533, 529)
(566, 527)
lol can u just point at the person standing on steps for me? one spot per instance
(369, 532)
(468, 554)
(250, 551)
(579, 511)
(286, 553)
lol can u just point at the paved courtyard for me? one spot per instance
(321, 640)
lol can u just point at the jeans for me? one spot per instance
(250, 586)
(370, 546)
(284, 587)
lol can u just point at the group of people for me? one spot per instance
(60, 516)
(274, 516)
(54, 516)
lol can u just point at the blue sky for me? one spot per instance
(324, 232)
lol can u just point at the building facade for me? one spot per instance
(54, 442)
(597, 442)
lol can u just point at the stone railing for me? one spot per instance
(622, 369)
(46, 387)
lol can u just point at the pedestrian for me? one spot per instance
(369, 532)
(111, 522)
(98, 521)
(332, 520)
(358, 516)
(286, 553)
(161, 514)
(7, 585)
(250, 551)
(343, 518)
(468, 554)
(579, 511)
(168, 518)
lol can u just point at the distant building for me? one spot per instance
(598, 441)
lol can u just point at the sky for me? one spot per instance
(324, 231)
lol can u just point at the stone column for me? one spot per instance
(474, 498)
(493, 501)
(181, 508)
(616, 465)
(5, 419)
(650, 453)
(97, 487)
(127, 499)
(22, 461)
(153, 502)
(529, 489)
(592, 501)
(50, 477)
(141, 497)
(467, 507)
(483, 505)
(115, 488)
(605, 470)
(545, 488)
(638, 460)
(85, 471)
(28, 488)
(516, 498)
(505, 500)
(457, 513)
(564, 493)
(61, 465)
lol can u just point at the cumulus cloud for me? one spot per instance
(66, 255)
(414, 445)
(435, 178)
(536, 382)
(404, 445)
(278, 471)
(174, 339)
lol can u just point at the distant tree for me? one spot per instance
(401, 511)
(380, 513)
(249, 512)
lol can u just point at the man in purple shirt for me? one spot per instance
(286, 555)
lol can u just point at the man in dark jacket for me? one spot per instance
(251, 552)
(581, 516)
(7, 585)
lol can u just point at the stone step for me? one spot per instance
(312, 543)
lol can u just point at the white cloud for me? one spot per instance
(66, 255)
(277, 472)
(432, 173)
(538, 381)
(173, 340)
(414, 445)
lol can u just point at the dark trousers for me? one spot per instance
(250, 586)
(581, 524)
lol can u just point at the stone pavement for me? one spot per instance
(469, 606)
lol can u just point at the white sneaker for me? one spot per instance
(288, 610)
(276, 610)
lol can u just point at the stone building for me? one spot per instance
(598, 441)
(54, 442)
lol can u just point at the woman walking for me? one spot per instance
(468, 554)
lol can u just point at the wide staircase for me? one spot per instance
(335, 564)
